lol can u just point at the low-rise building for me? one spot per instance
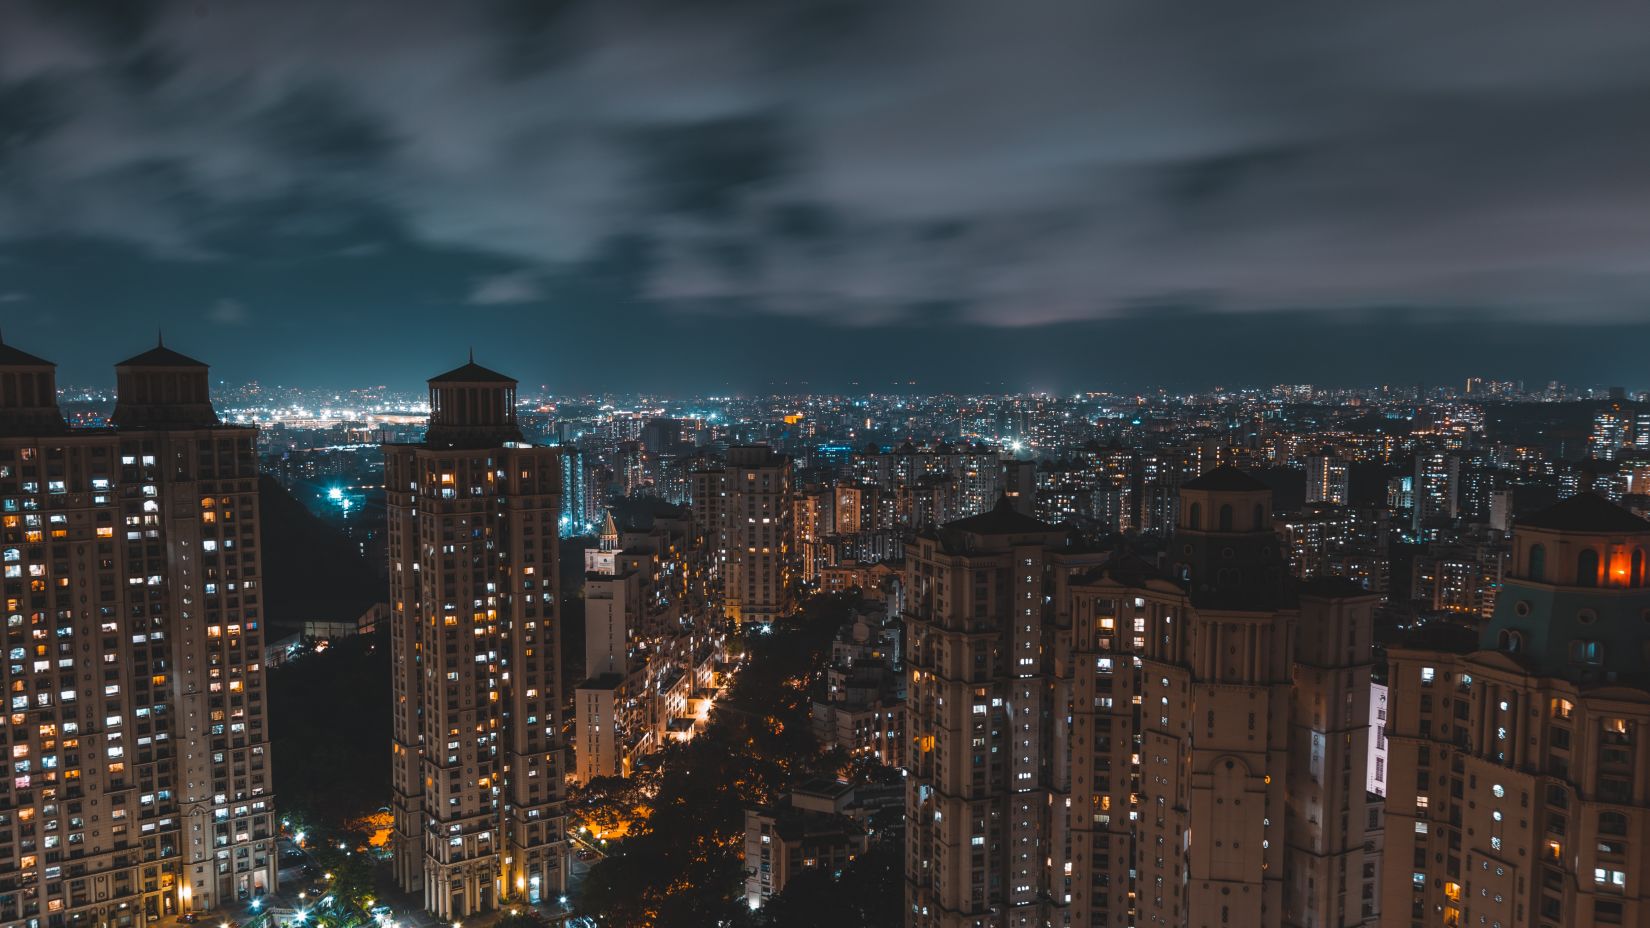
(809, 828)
(651, 651)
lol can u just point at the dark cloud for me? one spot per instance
(709, 169)
(959, 162)
(320, 127)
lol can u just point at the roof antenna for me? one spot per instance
(160, 337)
(472, 354)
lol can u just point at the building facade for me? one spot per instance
(744, 511)
(140, 781)
(477, 753)
(651, 652)
(986, 606)
(1107, 743)
(1516, 792)
(1328, 480)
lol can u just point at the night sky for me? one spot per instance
(696, 195)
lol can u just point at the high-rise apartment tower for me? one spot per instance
(139, 783)
(477, 771)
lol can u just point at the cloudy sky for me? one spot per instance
(708, 194)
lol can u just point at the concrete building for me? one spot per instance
(1461, 572)
(1516, 792)
(140, 781)
(745, 513)
(862, 709)
(813, 827)
(1437, 489)
(651, 651)
(1327, 480)
(987, 600)
(1107, 743)
(477, 752)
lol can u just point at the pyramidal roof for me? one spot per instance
(161, 356)
(1225, 479)
(16, 357)
(1002, 519)
(471, 372)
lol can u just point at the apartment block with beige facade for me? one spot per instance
(1517, 793)
(139, 784)
(477, 748)
(1103, 741)
(745, 513)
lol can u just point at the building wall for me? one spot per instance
(745, 514)
(596, 750)
(1515, 790)
(140, 782)
(477, 773)
(1095, 744)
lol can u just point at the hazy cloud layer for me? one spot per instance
(859, 161)
(228, 312)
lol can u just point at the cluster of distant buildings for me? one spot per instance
(1277, 657)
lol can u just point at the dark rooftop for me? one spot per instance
(472, 372)
(160, 356)
(1225, 479)
(604, 681)
(1584, 512)
(1003, 519)
(1328, 587)
(16, 357)
(1449, 637)
(1129, 569)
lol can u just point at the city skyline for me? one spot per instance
(89, 378)
(933, 464)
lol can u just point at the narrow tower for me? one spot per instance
(477, 750)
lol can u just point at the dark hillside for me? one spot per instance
(311, 572)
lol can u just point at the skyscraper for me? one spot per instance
(986, 597)
(744, 512)
(1516, 785)
(1610, 433)
(1327, 480)
(477, 752)
(1437, 490)
(1100, 743)
(140, 781)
